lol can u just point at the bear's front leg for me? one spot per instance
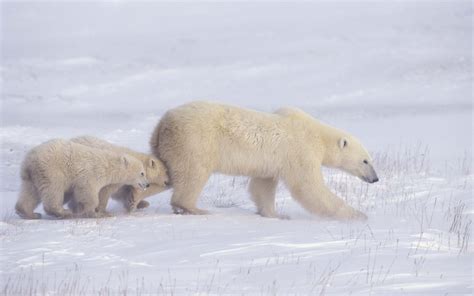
(132, 199)
(104, 195)
(124, 195)
(349, 213)
(313, 195)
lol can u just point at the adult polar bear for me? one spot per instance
(200, 138)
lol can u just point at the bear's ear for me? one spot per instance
(125, 160)
(342, 143)
(152, 163)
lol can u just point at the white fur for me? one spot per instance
(129, 196)
(57, 167)
(201, 138)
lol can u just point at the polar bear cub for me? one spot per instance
(57, 167)
(131, 197)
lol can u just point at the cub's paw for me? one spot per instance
(130, 204)
(89, 215)
(143, 204)
(66, 214)
(104, 214)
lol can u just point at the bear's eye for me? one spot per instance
(143, 174)
(365, 161)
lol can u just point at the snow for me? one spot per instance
(397, 74)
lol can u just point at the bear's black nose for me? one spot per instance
(375, 180)
(147, 185)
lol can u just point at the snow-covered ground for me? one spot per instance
(396, 74)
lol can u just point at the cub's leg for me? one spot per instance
(28, 200)
(88, 198)
(139, 196)
(71, 202)
(104, 195)
(262, 192)
(124, 196)
(53, 200)
(133, 198)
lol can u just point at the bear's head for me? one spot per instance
(135, 173)
(349, 155)
(156, 172)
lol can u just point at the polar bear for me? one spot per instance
(130, 196)
(57, 167)
(200, 138)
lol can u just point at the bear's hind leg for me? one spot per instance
(262, 191)
(28, 201)
(186, 191)
(53, 200)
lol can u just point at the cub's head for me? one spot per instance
(349, 155)
(136, 174)
(156, 172)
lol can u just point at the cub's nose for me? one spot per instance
(375, 180)
(147, 185)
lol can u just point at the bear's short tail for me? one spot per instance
(154, 141)
(155, 144)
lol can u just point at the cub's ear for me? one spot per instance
(152, 163)
(125, 160)
(342, 143)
